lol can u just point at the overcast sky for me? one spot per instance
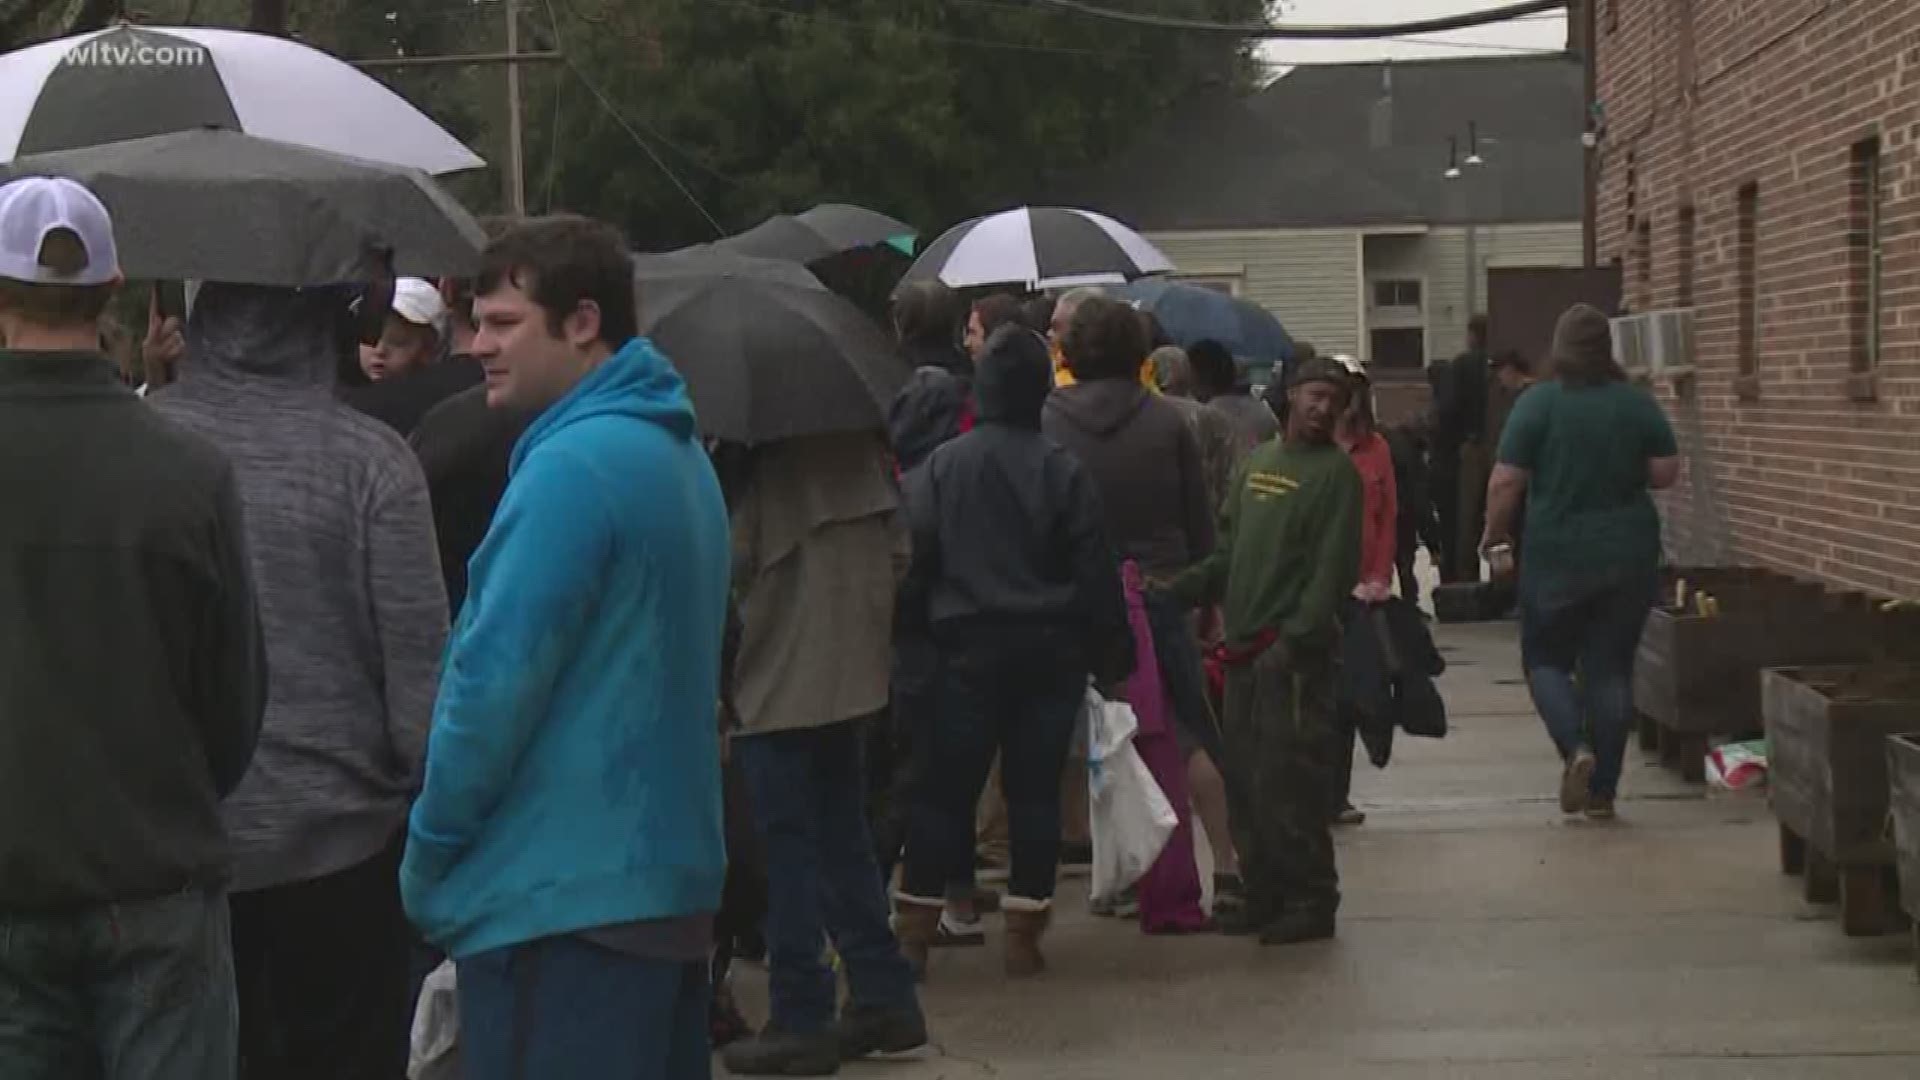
(1534, 32)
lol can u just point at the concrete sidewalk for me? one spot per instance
(1483, 937)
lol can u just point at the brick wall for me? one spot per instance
(1812, 464)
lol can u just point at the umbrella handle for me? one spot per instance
(378, 297)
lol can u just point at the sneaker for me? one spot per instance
(866, 1032)
(1298, 926)
(1576, 782)
(1350, 816)
(773, 1053)
(1229, 894)
(1600, 808)
(951, 933)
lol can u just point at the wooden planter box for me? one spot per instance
(1827, 731)
(1903, 782)
(1697, 676)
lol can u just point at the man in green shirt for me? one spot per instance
(1584, 449)
(1288, 554)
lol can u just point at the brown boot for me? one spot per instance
(1027, 922)
(916, 922)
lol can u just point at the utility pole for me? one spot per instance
(516, 199)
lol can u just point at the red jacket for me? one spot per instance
(1374, 459)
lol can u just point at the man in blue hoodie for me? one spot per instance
(567, 849)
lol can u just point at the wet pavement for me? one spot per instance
(1483, 937)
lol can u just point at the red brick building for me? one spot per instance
(1758, 163)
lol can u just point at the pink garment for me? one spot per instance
(1170, 890)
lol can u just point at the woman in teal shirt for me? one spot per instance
(1585, 449)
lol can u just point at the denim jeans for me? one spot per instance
(1021, 703)
(1578, 638)
(124, 991)
(807, 793)
(563, 1008)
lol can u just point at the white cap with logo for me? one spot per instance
(419, 302)
(35, 207)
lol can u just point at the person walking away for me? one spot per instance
(1414, 520)
(1013, 579)
(132, 683)
(566, 848)
(422, 357)
(1359, 436)
(1220, 385)
(340, 535)
(1289, 556)
(1467, 433)
(1584, 448)
(818, 546)
(1146, 467)
(1443, 460)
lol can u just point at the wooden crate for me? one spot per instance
(1903, 790)
(1827, 731)
(1697, 676)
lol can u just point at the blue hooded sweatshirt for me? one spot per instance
(573, 768)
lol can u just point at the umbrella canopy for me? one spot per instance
(129, 82)
(1190, 313)
(1038, 248)
(766, 361)
(707, 261)
(820, 233)
(222, 206)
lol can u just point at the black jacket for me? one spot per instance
(464, 448)
(1007, 528)
(933, 408)
(1388, 663)
(132, 675)
(401, 402)
(1146, 464)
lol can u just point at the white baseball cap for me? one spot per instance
(418, 301)
(32, 208)
(1354, 367)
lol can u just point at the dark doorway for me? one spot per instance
(1402, 348)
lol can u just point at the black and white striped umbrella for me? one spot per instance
(1040, 247)
(130, 82)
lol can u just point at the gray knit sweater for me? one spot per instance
(340, 533)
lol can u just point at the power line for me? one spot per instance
(667, 170)
(930, 35)
(1330, 32)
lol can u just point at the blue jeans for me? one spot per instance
(807, 793)
(1021, 703)
(124, 991)
(563, 1008)
(1577, 644)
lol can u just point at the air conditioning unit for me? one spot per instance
(1668, 342)
(1630, 343)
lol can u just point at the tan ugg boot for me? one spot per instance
(915, 922)
(1027, 922)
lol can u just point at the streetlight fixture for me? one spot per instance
(1453, 158)
(1473, 144)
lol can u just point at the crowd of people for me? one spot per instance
(356, 629)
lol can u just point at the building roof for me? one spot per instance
(1348, 145)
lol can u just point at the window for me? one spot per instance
(1684, 255)
(1864, 206)
(1223, 283)
(1396, 294)
(1399, 349)
(1746, 271)
(1643, 263)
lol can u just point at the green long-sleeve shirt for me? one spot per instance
(1289, 545)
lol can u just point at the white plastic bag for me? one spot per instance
(436, 1029)
(1131, 816)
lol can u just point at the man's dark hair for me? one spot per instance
(57, 305)
(928, 313)
(1213, 368)
(1105, 341)
(560, 261)
(996, 311)
(1037, 314)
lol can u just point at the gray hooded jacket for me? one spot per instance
(340, 535)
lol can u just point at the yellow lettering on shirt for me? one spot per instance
(1271, 484)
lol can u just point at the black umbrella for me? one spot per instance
(766, 361)
(820, 233)
(704, 261)
(129, 82)
(225, 206)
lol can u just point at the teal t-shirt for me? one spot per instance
(1587, 449)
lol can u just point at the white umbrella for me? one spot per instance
(1038, 248)
(129, 82)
